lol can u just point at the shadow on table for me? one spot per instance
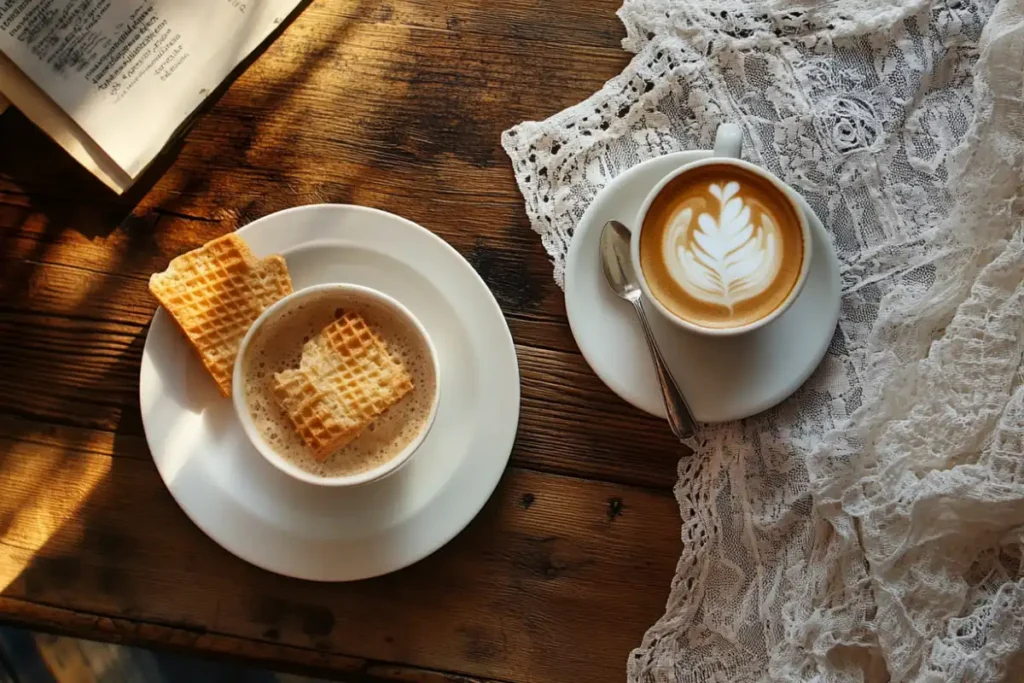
(27, 657)
(71, 355)
(74, 259)
(86, 522)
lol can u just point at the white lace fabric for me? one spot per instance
(871, 527)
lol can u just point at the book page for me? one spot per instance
(129, 72)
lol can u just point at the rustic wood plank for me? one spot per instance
(556, 580)
(77, 337)
(135, 247)
(93, 324)
(572, 423)
(397, 105)
(357, 94)
(301, 660)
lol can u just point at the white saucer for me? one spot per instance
(325, 534)
(722, 378)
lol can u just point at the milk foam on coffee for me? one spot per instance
(721, 246)
(277, 345)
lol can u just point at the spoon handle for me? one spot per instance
(680, 419)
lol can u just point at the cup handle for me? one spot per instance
(728, 141)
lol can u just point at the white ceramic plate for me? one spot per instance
(285, 526)
(722, 378)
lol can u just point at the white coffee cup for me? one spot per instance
(728, 143)
(344, 293)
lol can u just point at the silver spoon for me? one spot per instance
(618, 269)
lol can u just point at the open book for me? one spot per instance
(112, 81)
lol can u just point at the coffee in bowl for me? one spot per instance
(722, 246)
(338, 386)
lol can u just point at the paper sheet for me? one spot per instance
(129, 72)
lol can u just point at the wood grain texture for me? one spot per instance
(556, 580)
(137, 246)
(77, 335)
(291, 659)
(393, 104)
(372, 103)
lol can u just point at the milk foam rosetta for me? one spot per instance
(723, 256)
(721, 246)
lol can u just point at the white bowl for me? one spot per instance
(344, 294)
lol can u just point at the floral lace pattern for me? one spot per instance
(870, 528)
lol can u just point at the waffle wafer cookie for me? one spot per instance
(346, 378)
(215, 293)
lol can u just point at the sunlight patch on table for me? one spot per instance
(45, 489)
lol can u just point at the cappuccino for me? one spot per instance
(721, 246)
(278, 345)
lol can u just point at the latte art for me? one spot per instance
(721, 246)
(726, 256)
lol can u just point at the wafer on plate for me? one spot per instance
(346, 378)
(215, 293)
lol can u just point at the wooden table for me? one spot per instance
(395, 104)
